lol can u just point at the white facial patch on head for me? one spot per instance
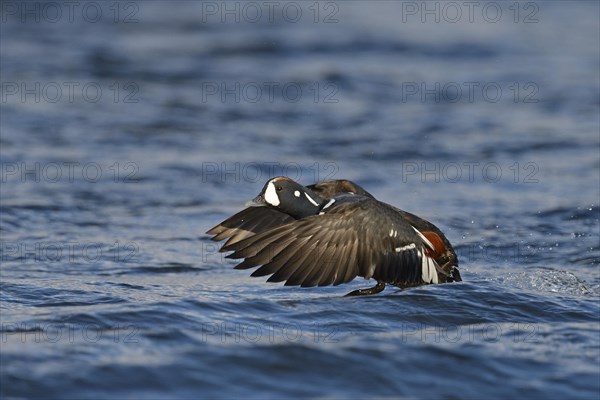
(311, 199)
(271, 195)
(297, 193)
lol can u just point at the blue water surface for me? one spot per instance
(128, 133)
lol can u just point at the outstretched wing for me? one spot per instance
(257, 219)
(248, 222)
(367, 240)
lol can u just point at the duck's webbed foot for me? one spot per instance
(363, 292)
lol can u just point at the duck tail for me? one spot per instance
(454, 275)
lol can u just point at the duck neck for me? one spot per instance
(310, 205)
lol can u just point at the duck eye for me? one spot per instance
(279, 188)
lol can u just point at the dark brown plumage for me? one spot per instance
(331, 232)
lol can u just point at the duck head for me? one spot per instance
(289, 197)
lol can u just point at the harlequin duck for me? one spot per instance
(331, 232)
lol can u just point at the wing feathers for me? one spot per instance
(291, 253)
(284, 273)
(361, 237)
(248, 222)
